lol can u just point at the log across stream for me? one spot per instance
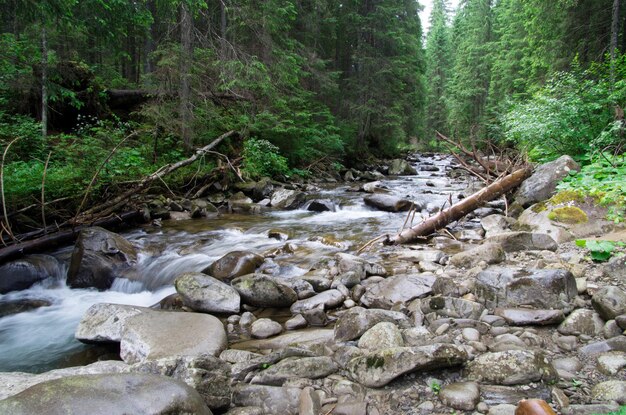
(42, 339)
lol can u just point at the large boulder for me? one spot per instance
(538, 288)
(582, 321)
(105, 323)
(272, 399)
(23, 273)
(287, 199)
(609, 302)
(399, 166)
(115, 394)
(261, 290)
(524, 241)
(376, 369)
(452, 307)
(490, 253)
(398, 289)
(511, 367)
(208, 375)
(206, 294)
(355, 322)
(542, 184)
(160, 334)
(98, 258)
(388, 203)
(234, 264)
(296, 368)
(384, 335)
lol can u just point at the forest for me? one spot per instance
(97, 94)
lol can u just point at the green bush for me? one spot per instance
(261, 158)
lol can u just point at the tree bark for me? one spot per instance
(614, 36)
(460, 209)
(186, 115)
(44, 82)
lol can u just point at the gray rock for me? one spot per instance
(388, 203)
(23, 273)
(353, 323)
(105, 323)
(542, 184)
(582, 321)
(321, 205)
(11, 307)
(621, 321)
(261, 290)
(309, 402)
(234, 264)
(295, 368)
(524, 241)
(512, 367)
(611, 329)
(508, 287)
(302, 338)
(471, 334)
(495, 224)
(296, 322)
(530, 317)
(490, 253)
(272, 399)
(569, 364)
(612, 390)
(327, 299)
(383, 335)
(591, 409)
(616, 343)
(398, 289)
(461, 395)
(452, 307)
(238, 356)
(208, 375)
(616, 267)
(159, 334)
(107, 394)
(502, 409)
(609, 302)
(611, 363)
(287, 199)
(401, 167)
(206, 294)
(360, 266)
(376, 369)
(98, 258)
(264, 328)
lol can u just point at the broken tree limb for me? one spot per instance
(109, 207)
(493, 168)
(460, 209)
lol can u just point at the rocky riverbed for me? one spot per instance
(502, 306)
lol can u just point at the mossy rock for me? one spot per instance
(568, 214)
(566, 196)
(539, 207)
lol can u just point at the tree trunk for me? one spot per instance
(186, 116)
(614, 36)
(223, 26)
(460, 209)
(44, 82)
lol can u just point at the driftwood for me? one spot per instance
(460, 209)
(67, 236)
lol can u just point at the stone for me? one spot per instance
(611, 329)
(159, 334)
(612, 390)
(530, 317)
(621, 321)
(272, 399)
(398, 289)
(383, 335)
(303, 338)
(470, 334)
(511, 367)
(376, 369)
(321, 205)
(260, 290)
(309, 402)
(537, 288)
(609, 302)
(98, 258)
(611, 363)
(105, 323)
(460, 395)
(208, 375)
(11, 307)
(234, 264)
(591, 409)
(316, 317)
(296, 368)
(206, 294)
(524, 241)
(360, 266)
(107, 394)
(569, 364)
(264, 328)
(388, 203)
(401, 167)
(23, 273)
(582, 321)
(490, 253)
(452, 307)
(353, 323)
(327, 299)
(287, 199)
(495, 224)
(616, 343)
(296, 322)
(502, 409)
(542, 184)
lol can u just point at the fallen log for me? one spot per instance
(460, 209)
(65, 237)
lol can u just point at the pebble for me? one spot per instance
(471, 334)
(264, 328)
(442, 329)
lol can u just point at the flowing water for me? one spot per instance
(38, 340)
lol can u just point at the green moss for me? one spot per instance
(375, 362)
(566, 196)
(539, 207)
(568, 214)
